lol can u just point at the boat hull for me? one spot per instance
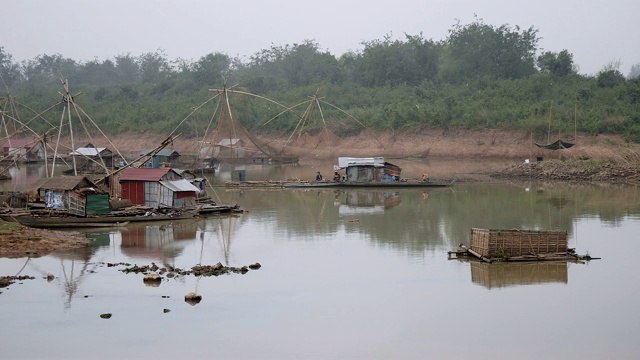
(351, 184)
(336, 184)
(71, 222)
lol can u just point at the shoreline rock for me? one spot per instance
(573, 170)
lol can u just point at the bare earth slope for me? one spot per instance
(433, 143)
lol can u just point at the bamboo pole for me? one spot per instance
(575, 122)
(549, 129)
(146, 156)
(476, 254)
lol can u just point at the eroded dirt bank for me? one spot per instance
(457, 143)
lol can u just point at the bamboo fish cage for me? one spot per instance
(518, 245)
(494, 243)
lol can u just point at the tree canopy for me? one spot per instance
(481, 76)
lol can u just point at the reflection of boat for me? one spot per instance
(99, 221)
(368, 202)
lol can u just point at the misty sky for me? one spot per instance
(596, 32)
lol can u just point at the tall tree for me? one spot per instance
(154, 67)
(388, 62)
(609, 78)
(9, 72)
(49, 67)
(128, 70)
(298, 64)
(478, 49)
(558, 64)
(634, 72)
(211, 69)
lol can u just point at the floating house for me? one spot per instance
(229, 148)
(90, 157)
(373, 169)
(27, 150)
(157, 188)
(198, 182)
(74, 194)
(164, 156)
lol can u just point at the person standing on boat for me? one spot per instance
(318, 176)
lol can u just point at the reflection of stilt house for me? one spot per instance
(369, 169)
(157, 188)
(369, 202)
(74, 194)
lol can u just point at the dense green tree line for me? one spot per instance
(480, 76)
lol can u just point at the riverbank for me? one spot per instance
(420, 143)
(574, 170)
(603, 158)
(21, 241)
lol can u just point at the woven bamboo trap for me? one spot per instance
(518, 245)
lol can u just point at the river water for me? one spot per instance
(348, 274)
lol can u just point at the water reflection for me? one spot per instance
(333, 279)
(363, 201)
(73, 269)
(164, 242)
(500, 275)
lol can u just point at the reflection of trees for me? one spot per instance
(445, 217)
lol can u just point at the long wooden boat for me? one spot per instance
(98, 221)
(209, 209)
(357, 184)
(336, 184)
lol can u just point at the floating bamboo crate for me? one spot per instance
(501, 243)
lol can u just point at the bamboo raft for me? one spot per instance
(491, 245)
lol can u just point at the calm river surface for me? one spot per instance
(345, 275)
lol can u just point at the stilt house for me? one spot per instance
(74, 194)
(157, 188)
(373, 169)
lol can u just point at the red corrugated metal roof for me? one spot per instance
(143, 174)
(19, 143)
